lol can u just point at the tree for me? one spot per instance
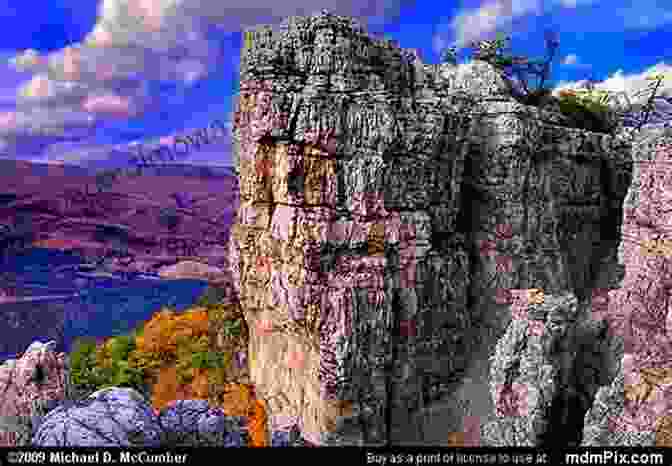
(605, 117)
(514, 68)
(518, 68)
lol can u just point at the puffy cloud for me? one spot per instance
(570, 59)
(99, 36)
(26, 60)
(475, 24)
(38, 87)
(167, 140)
(72, 62)
(575, 3)
(150, 11)
(8, 121)
(136, 41)
(109, 104)
(631, 85)
(635, 86)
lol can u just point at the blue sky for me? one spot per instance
(81, 81)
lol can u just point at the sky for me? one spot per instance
(87, 82)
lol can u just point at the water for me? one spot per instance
(92, 307)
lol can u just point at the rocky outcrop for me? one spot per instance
(108, 417)
(114, 417)
(639, 311)
(29, 385)
(546, 371)
(384, 203)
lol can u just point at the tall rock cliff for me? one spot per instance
(385, 205)
(636, 408)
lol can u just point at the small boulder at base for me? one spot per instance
(195, 423)
(111, 417)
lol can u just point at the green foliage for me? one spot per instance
(585, 113)
(83, 372)
(99, 366)
(208, 360)
(121, 347)
(232, 328)
(196, 354)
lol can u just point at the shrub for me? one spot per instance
(174, 354)
(84, 373)
(585, 113)
(240, 400)
(158, 342)
(106, 365)
(176, 348)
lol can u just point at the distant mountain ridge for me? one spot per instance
(166, 214)
(174, 169)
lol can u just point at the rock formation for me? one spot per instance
(546, 371)
(384, 204)
(28, 386)
(639, 311)
(114, 417)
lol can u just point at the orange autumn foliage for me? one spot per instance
(257, 425)
(167, 389)
(157, 348)
(456, 439)
(239, 400)
(161, 334)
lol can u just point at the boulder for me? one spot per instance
(111, 417)
(195, 423)
(30, 386)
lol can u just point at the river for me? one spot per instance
(51, 295)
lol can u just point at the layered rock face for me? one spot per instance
(546, 371)
(640, 313)
(29, 385)
(384, 203)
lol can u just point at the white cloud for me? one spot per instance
(633, 85)
(570, 59)
(135, 41)
(575, 3)
(28, 59)
(475, 24)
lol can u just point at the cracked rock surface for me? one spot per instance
(384, 204)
